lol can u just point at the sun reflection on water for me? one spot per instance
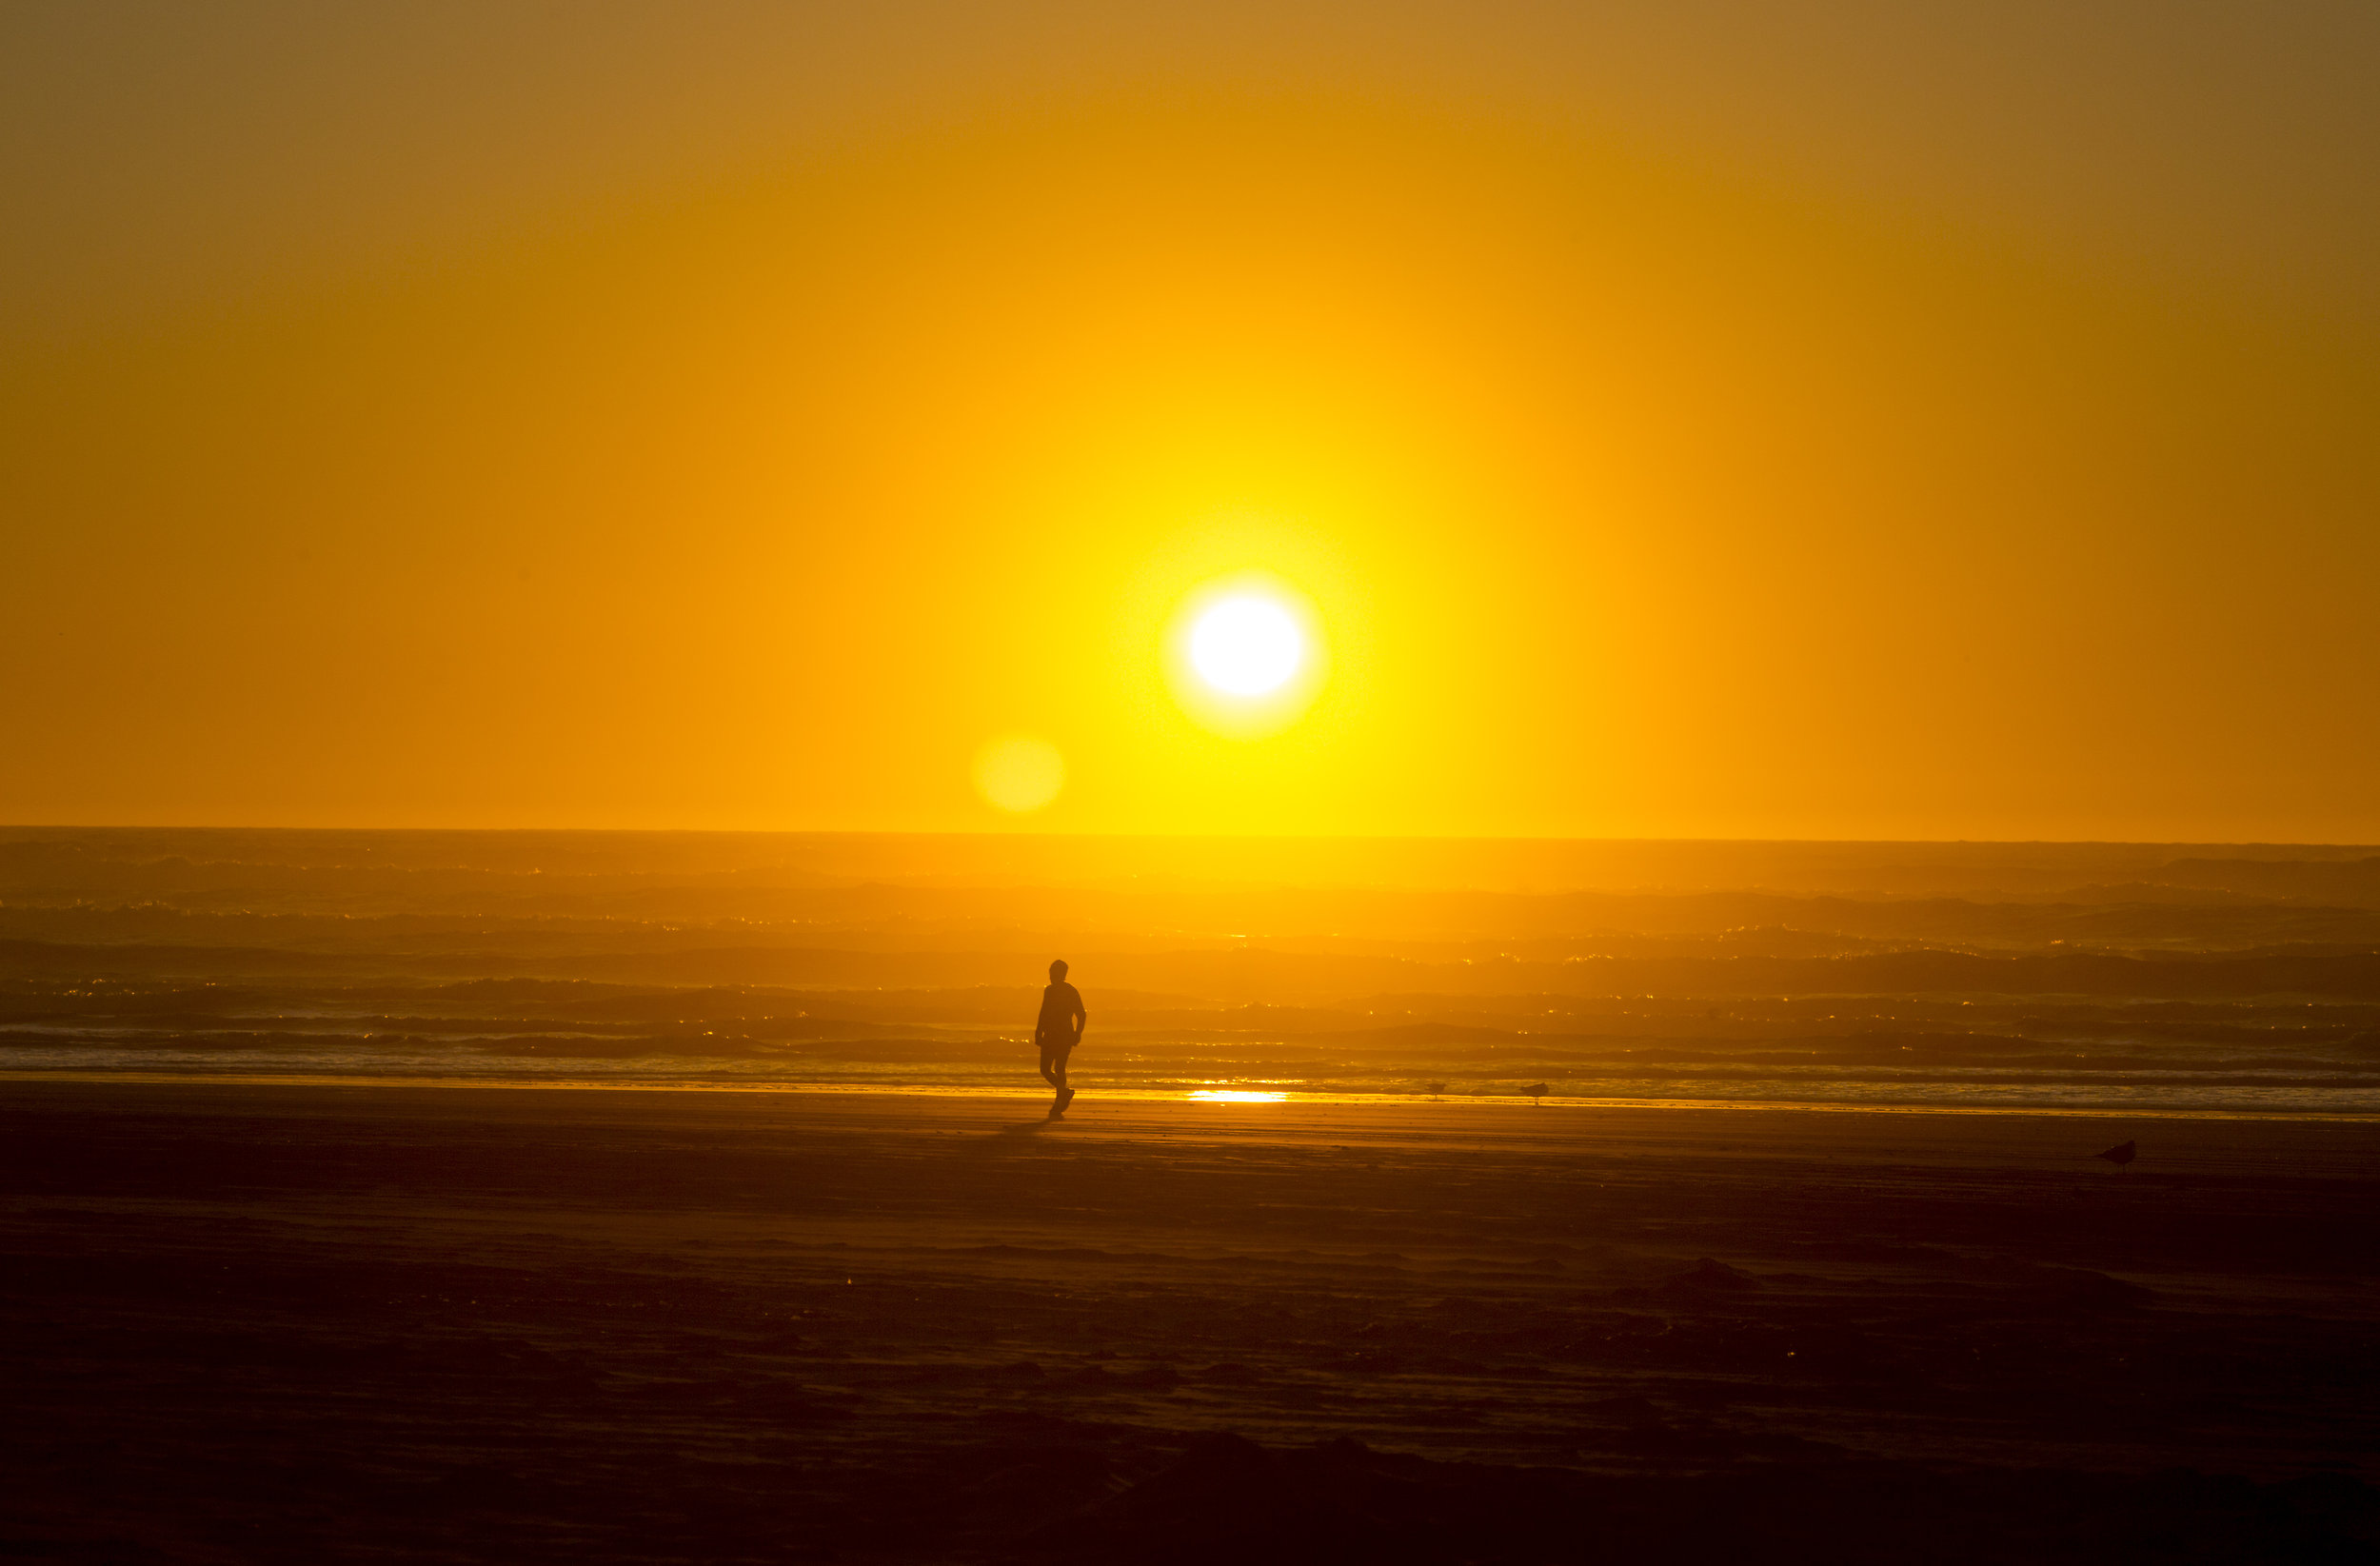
(1230, 1095)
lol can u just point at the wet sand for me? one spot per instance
(293, 1323)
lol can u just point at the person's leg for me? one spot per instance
(1054, 1073)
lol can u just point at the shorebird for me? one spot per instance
(1536, 1092)
(2122, 1153)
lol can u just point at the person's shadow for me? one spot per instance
(1009, 1137)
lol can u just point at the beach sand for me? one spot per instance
(273, 1323)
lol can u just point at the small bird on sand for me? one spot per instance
(1536, 1092)
(2122, 1153)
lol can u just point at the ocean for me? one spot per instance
(2098, 979)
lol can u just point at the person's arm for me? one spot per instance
(1082, 1018)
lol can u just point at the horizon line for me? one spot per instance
(997, 835)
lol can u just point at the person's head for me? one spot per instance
(1057, 971)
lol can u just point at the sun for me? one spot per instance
(1246, 655)
(1246, 645)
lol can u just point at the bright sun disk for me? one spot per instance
(1246, 645)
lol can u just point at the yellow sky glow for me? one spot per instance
(1683, 446)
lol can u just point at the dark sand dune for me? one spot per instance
(311, 1324)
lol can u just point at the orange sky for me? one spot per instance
(1681, 420)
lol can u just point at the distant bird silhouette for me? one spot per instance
(1536, 1092)
(2122, 1153)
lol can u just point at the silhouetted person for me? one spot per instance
(1057, 1032)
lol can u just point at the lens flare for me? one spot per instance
(1020, 774)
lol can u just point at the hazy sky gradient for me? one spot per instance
(1839, 420)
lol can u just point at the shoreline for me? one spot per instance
(1286, 1100)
